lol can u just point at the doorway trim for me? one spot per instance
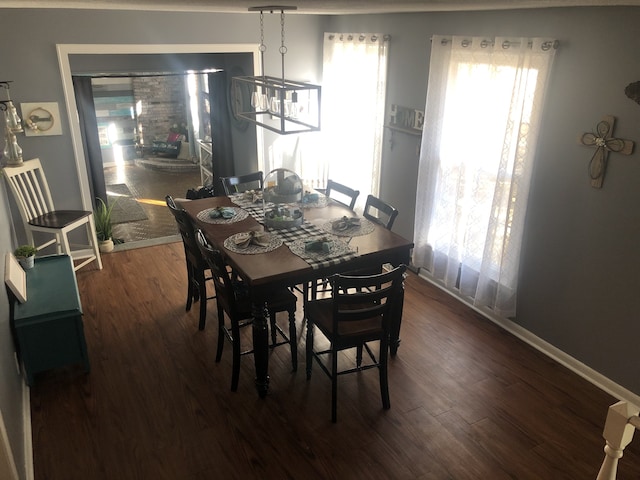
(65, 50)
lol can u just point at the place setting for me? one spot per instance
(312, 199)
(252, 242)
(349, 226)
(247, 198)
(322, 250)
(222, 215)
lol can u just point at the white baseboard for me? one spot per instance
(579, 368)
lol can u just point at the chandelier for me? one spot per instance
(275, 103)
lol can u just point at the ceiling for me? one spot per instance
(327, 7)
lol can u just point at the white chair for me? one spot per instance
(33, 197)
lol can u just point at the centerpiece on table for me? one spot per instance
(281, 198)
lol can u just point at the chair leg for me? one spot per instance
(359, 356)
(309, 349)
(220, 334)
(334, 385)
(190, 293)
(293, 339)
(272, 326)
(384, 377)
(93, 240)
(235, 375)
(202, 292)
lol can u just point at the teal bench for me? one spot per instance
(47, 328)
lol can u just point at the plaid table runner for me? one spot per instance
(305, 232)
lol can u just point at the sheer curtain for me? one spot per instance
(482, 118)
(348, 149)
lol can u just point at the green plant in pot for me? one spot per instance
(102, 219)
(26, 255)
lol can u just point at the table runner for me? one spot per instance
(307, 231)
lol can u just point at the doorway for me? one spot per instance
(148, 125)
(80, 59)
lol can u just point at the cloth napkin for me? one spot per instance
(243, 240)
(309, 197)
(345, 223)
(222, 212)
(253, 196)
(320, 245)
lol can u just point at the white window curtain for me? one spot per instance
(348, 149)
(482, 118)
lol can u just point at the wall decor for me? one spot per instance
(41, 119)
(406, 119)
(633, 91)
(604, 142)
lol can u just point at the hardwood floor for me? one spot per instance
(468, 401)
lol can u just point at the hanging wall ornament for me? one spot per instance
(633, 91)
(603, 142)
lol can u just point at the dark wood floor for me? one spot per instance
(468, 401)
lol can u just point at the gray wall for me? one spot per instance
(579, 269)
(580, 261)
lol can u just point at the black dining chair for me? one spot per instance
(341, 193)
(242, 183)
(233, 299)
(380, 212)
(359, 312)
(197, 269)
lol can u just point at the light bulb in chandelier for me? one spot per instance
(12, 120)
(12, 151)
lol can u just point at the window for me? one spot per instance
(348, 149)
(482, 117)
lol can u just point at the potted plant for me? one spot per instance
(102, 219)
(26, 255)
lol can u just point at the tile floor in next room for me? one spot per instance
(149, 187)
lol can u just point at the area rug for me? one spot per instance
(126, 208)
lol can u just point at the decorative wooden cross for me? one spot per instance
(604, 143)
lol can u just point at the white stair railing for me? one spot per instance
(622, 421)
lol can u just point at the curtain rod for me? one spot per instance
(506, 44)
(361, 37)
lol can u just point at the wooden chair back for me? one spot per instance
(357, 298)
(29, 186)
(380, 212)
(242, 183)
(345, 195)
(187, 232)
(226, 291)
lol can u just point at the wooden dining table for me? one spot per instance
(280, 267)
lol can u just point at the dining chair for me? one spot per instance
(242, 183)
(358, 313)
(341, 193)
(197, 268)
(233, 299)
(380, 212)
(30, 189)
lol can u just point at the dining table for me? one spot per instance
(284, 261)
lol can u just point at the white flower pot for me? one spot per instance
(105, 246)
(27, 262)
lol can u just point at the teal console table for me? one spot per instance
(48, 328)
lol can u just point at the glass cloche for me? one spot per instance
(281, 199)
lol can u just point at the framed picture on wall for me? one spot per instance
(41, 119)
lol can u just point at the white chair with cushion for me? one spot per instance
(33, 197)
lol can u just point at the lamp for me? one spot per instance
(13, 125)
(275, 103)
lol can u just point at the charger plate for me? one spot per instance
(274, 242)
(240, 215)
(338, 248)
(365, 228)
